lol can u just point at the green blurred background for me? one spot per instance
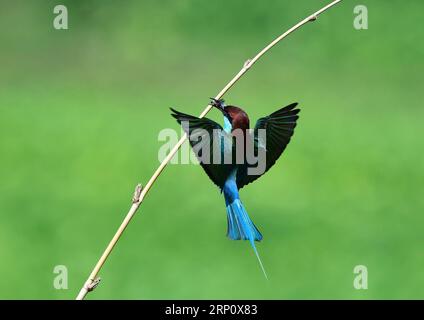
(80, 113)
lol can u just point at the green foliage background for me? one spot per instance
(81, 109)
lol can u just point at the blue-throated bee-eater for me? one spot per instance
(231, 176)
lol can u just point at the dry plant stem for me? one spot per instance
(141, 193)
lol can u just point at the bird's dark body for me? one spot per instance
(230, 177)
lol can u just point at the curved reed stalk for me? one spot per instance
(140, 193)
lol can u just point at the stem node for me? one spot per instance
(247, 64)
(137, 193)
(90, 285)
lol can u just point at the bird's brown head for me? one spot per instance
(237, 117)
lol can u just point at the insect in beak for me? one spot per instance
(219, 104)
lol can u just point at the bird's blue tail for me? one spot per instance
(240, 226)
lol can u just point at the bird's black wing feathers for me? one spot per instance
(279, 128)
(215, 142)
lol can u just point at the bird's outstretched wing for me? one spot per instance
(209, 142)
(279, 127)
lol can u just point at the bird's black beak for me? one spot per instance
(219, 104)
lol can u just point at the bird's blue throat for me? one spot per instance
(227, 125)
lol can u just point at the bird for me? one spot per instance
(223, 152)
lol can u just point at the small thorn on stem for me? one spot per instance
(247, 64)
(137, 193)
(92, 284)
